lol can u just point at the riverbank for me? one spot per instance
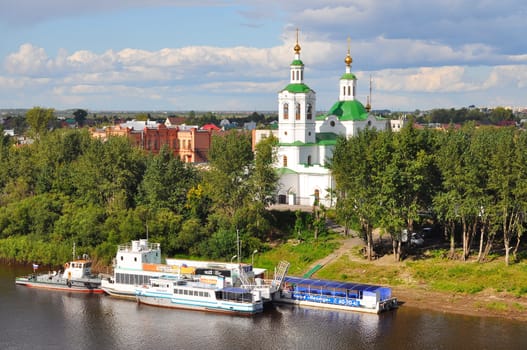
(484, 304)
(463, 288)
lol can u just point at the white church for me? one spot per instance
(306, 141)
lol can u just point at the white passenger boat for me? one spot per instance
(335, 295)
(137, 263)
(204, 293)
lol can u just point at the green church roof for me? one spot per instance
(297, 63)
(348, 76)
(285, 171)
(326, 138)
(346, 111)
(296, 88)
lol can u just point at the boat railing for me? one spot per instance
(129, 247)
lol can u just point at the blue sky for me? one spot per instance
(178, 55)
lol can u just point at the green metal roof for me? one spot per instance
(297, 63)
(326, 138)
(322, 138)
(296, 88)
(348, 76)
(348, 110)
(285, 171)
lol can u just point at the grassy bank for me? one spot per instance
(431, 271)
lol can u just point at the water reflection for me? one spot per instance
(37, 319)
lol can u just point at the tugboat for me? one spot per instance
(76, 277)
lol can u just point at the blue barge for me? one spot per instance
(335, 295)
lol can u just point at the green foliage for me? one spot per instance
(38, 119)
(80, 117)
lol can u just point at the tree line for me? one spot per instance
(472, 181)
(67, 187)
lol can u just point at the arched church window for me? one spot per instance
(292, 75)
(297, 111)
(309, 160)
(344, 90)
(309, 111)
(301, 75)
(284, 161)
(349, 91)
(286, 111)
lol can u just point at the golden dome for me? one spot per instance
(297, 48)
(348, 59)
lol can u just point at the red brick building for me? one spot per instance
(188, 143)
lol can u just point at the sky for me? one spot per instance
(234, 55)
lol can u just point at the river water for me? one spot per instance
(38, 319)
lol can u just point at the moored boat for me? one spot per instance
(76, 277)
(335, 295)
(203, 293)
(137, 263)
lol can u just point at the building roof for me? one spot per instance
(285, 171)
(326, 284)
(296, 88)
(210, 126)
(326, 138)
(348, 76)
(297, 63)
(176, 120)
(347, 111)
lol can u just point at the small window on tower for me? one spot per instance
(284, 161)
(309, 111)
(286, 111)
(297, 111)
(332, 123)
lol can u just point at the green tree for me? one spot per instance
(38, 119)
(499, 114)
(264, 177)
(356, 192)
(166, 182)
(80, 117)
(227, 181)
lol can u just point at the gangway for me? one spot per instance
(280, 272)
(267, 287)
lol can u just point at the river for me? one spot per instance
(38, 319)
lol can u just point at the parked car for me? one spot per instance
(426, 232)
(416, 239)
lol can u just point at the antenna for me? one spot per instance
(370, 90)
(297, 35)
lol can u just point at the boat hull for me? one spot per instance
(385, 306)
(223, 308)
(120, 292)
(73, 287)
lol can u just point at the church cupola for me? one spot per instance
(297, 66)
(348, 81)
